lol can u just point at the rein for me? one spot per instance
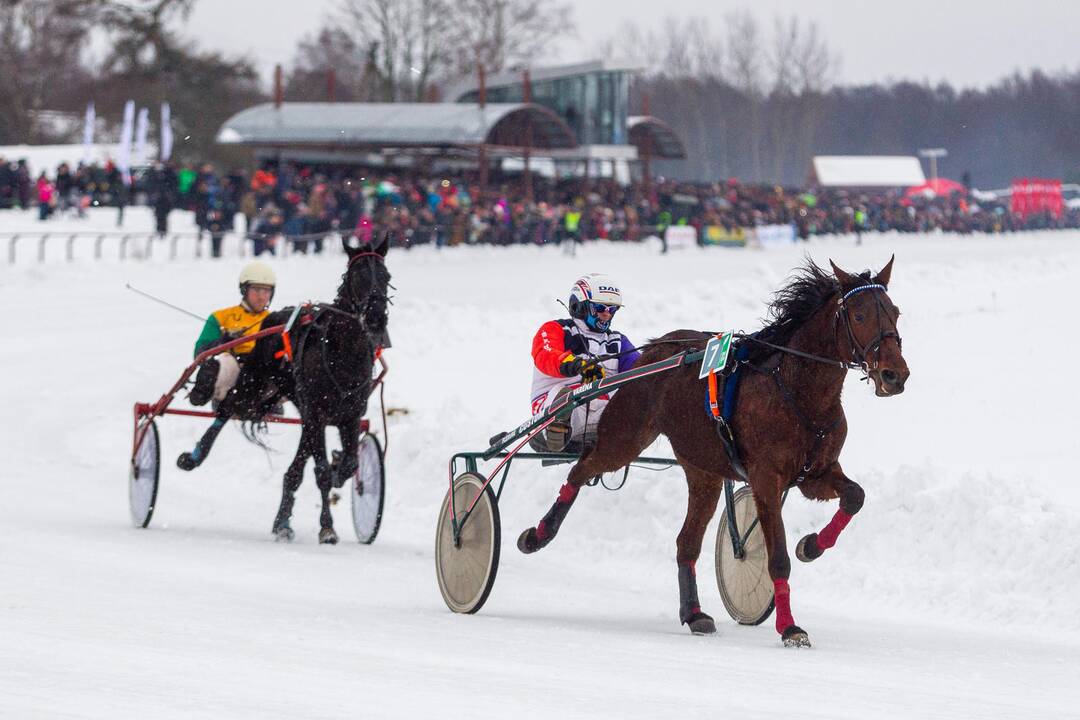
(859, 352)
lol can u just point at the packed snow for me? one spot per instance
(950, 595)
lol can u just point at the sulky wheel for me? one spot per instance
(466, 569)
(144, 475)
(368, 489)
(745, 585)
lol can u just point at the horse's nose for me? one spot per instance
(893, 380)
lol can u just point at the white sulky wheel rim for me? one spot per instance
(466, 572)
(368, 490)
(745, 585)
(143, 477)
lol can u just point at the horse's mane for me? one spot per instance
(792, 305)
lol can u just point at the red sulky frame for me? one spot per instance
(144, 412)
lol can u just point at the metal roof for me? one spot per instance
(373, 125)
(465, 85)
(657, 135)
(868, 171)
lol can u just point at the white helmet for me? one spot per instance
(594, 288)
(257, 273)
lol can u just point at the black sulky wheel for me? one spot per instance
(144, 475)
(466, 570)
(368, 489)
(745, 585)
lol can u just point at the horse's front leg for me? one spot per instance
(769, 502)
(324, 479)
(830, 484)
(346, 464)
(293, 477)
(704, 494)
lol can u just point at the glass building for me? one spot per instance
(593, 98)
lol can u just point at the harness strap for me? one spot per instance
(714, 404)
(286, 351)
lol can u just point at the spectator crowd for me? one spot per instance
(301, 204)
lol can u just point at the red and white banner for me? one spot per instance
(1034, 196)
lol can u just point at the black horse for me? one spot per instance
(328, 378)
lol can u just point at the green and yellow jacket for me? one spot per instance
(228, 323)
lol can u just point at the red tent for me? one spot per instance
(939, 187)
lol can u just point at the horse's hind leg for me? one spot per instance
(619, 441)
(704, 493)
(191, 460)
(828, 486)
(324, 479)
(293, 477)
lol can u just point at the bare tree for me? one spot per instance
(328, 49)
(42, 42)
(745, 68)
(501, 33)
(406, 42)
(630, 42)
(814, 64)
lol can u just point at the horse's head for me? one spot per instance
(365, 286)
(866, 328)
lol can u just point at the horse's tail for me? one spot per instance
(255, 431)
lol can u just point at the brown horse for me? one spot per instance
(789, 424)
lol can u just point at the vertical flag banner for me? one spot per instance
(88, 132)
(166, 132)
(142, 124)
(124, 161)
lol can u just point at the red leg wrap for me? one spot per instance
(567, 493)
(782, 593)
(827, 537)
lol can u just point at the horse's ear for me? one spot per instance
(384, 246)
(847, 280)
(886, 273)
(347, 243)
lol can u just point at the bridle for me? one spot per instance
(358, 317)
(860, 353)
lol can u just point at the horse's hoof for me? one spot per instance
(700, 624)
(807, 550)
(283, 534)
(795, 636)
(186, 462)
(327, 536)
(528, 543)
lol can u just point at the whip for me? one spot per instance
(166, 304)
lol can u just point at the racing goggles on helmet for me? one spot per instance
(597, 308)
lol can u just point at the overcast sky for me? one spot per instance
(967, 42)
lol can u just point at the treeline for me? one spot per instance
(1023, 126)
(758, 105)
(751, 100)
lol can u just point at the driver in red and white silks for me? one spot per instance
(568, 352)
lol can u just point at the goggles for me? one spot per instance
(597, 308)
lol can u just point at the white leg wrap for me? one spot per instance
(228, 371)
